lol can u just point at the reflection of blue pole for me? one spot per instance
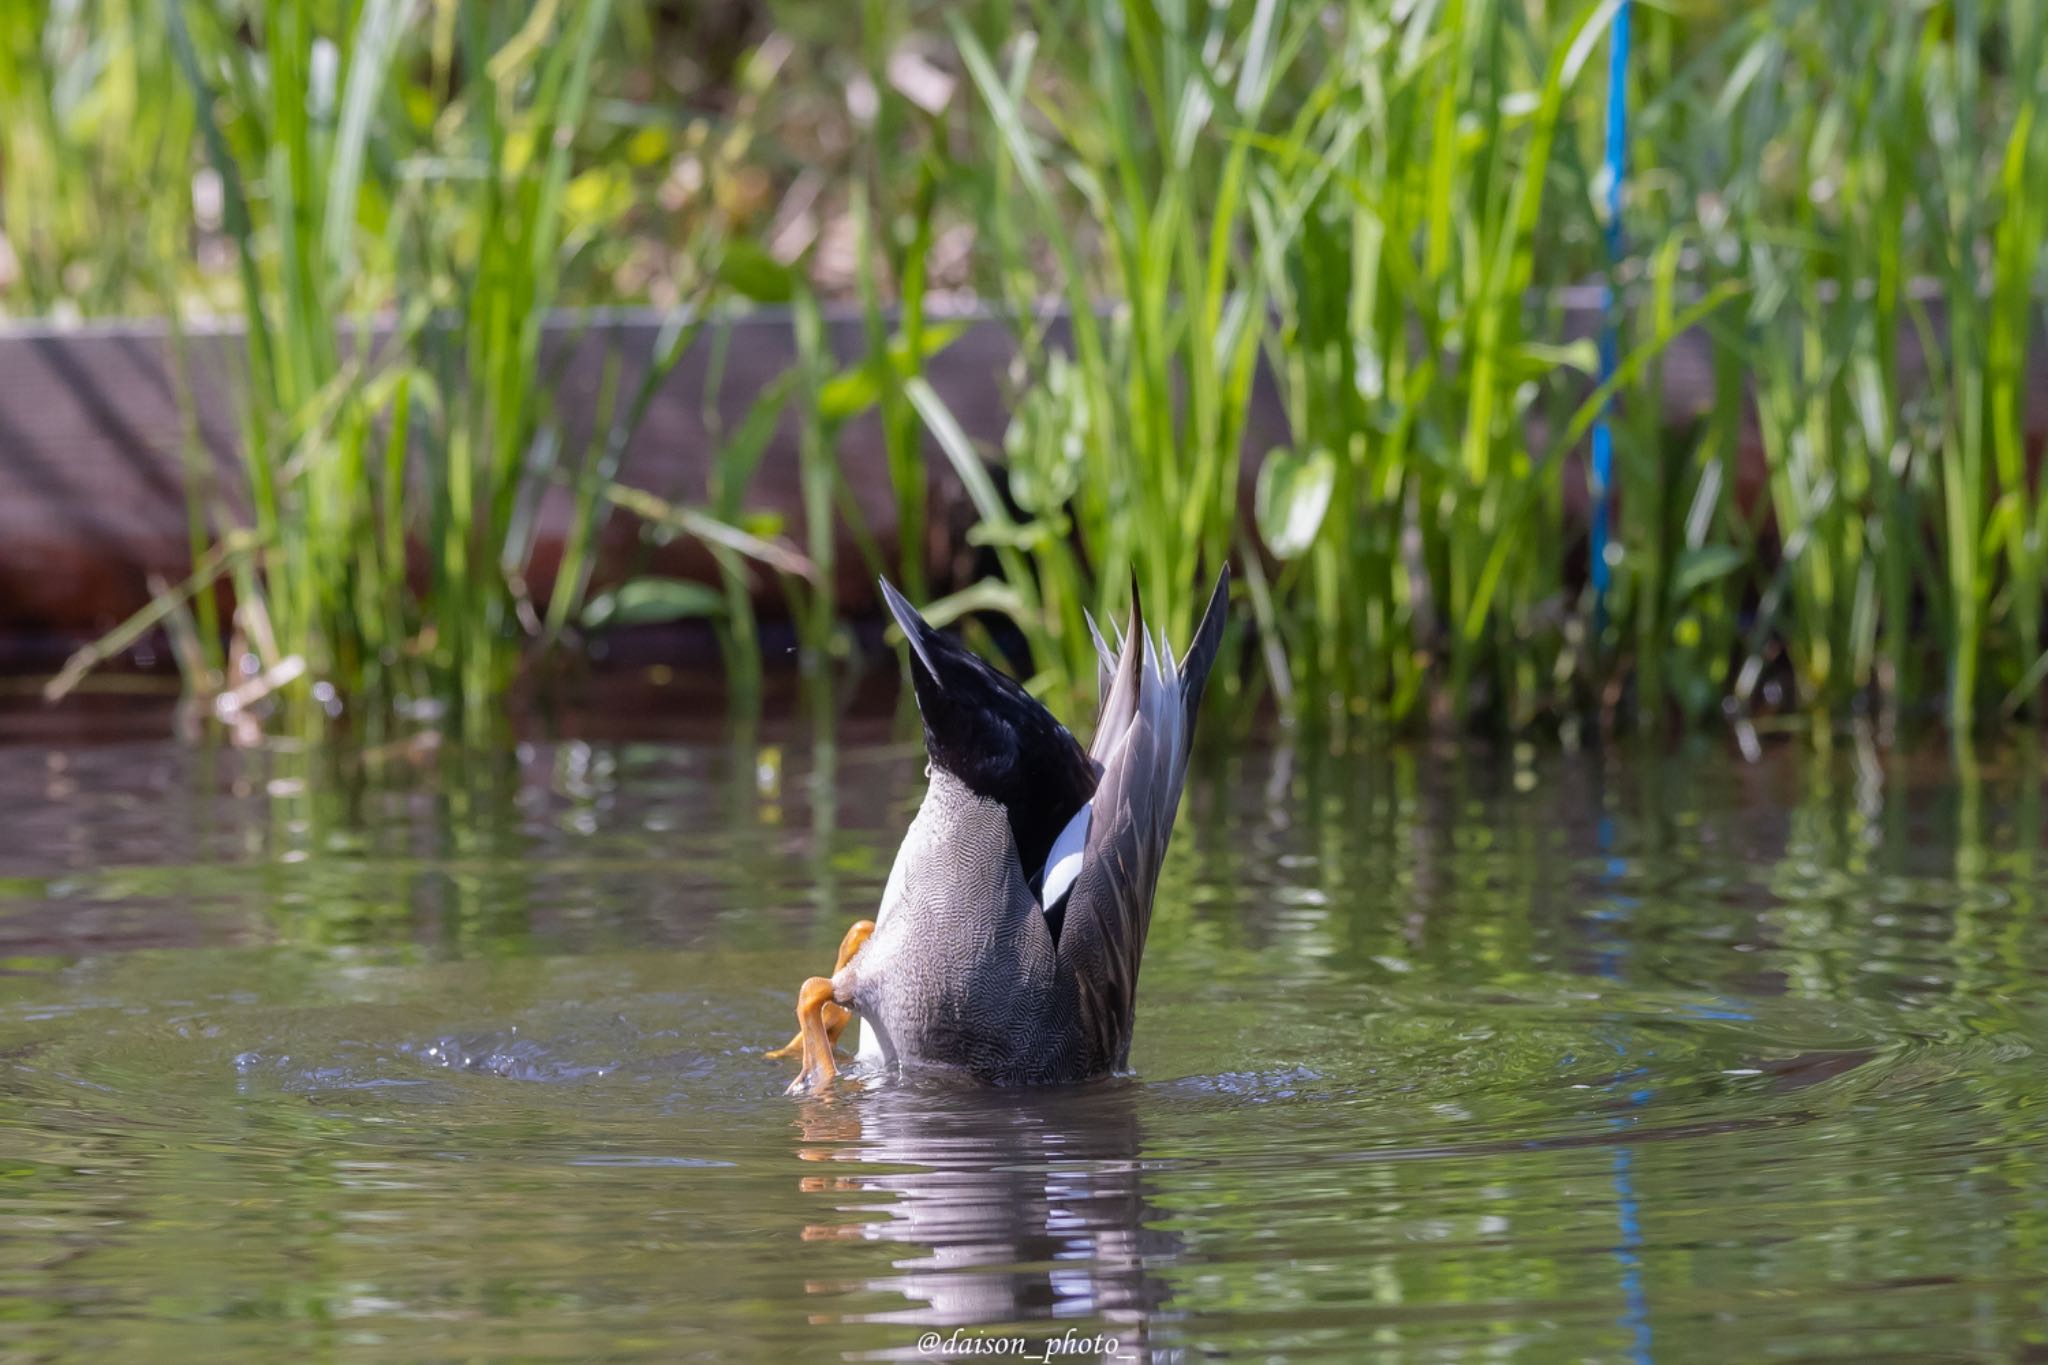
(1636, 1315)
(1609, 952)
(1603, 434)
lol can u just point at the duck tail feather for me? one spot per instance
(915, 628)
(1105, 662)
(1202, 650)
(1121, 688)
(1143, 743)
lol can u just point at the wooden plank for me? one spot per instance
(91, 475)
(91, 481)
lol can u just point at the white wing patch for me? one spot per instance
(871, 1049)
(1063, 864)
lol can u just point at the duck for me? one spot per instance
(1006, 947)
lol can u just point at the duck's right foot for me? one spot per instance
(836, 1016)
(819, 1068)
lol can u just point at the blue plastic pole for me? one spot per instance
(1635, 1317)
(1603, 433)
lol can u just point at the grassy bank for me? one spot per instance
(1368, 201)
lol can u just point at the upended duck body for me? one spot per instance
(1010, 932)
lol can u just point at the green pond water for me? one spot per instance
(1444, 1054)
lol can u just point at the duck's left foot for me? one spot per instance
(836, 1016)
(819, 1068)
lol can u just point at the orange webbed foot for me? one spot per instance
(819, 1067)
(836, 1016)
(832, 1016)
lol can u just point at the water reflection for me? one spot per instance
(1010, 1206)
(1444, 1053)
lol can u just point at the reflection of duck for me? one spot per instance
(1029, 1207)
(1011, 929)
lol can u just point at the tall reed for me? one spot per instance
(1126, 460)
(1377, 196)
(404, 209)
(1370, 205)
(353, 443)
(1302, 182)
(95, 190)
(1874, 181)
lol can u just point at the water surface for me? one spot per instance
(1444, 1054)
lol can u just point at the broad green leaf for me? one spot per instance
(369, 62)
(776, 554)
(1540, 357)
(748, 268)
(989, 594)
(1293, 497)
(650, 601)
(849, 393)
(1697, 568)
(857, 388)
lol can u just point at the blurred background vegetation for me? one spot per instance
(1373, 206)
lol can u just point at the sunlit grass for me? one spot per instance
(403, 209)
(1875, 183)
(1368, 206)
(356, 445)
(1377, 197)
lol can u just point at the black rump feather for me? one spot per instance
(987, 731)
